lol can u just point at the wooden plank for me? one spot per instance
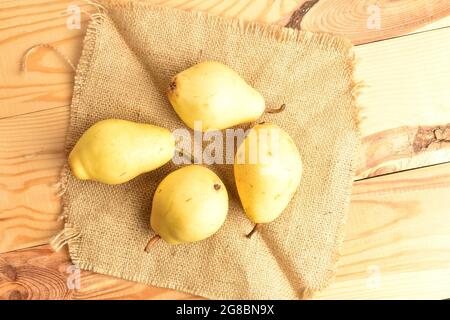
(397, 247)
(31, 157)
(365, 21)
(405, 102)
(49, 82)
(436, 24)
(354, 19)
(40, 273)
(266, 11)
(397, 242)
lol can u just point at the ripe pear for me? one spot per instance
(267, 170)
(214, 94)
(115, 151)
(190, 204)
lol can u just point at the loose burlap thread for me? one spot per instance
(131, 50)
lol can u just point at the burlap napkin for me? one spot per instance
(131, 50)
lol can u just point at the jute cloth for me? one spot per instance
(130, 52)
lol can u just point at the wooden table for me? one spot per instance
(398, 234)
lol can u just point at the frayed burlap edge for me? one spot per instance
(71, 235)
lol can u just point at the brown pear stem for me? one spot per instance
(276, 110)
(255, 228)
(151, 242)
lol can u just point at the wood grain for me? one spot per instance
(39, 274)
(31, 156)
(404, 101)
(397, 238)
(356, 19)
(397, 246)
(49, 80)
(353, 19)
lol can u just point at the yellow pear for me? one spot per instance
(115, 151)
(214, 94)
(267, 170)
(190, 204)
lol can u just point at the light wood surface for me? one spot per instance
(397, 246)
(31, 157)
(49, 80)
(355, 19)
(41, 273)
(397, 238)
(405, 102)
(406, 124)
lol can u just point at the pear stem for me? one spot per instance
(151, 242)
(276, 110)
(255, 228)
